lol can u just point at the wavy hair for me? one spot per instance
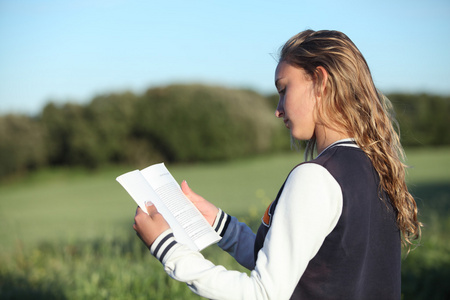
(351, 102)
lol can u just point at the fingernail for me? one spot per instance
(148, 203)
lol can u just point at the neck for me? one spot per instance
(326, 136)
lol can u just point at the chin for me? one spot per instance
(301, 137)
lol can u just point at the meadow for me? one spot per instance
(67, 233)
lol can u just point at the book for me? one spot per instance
(156, 184)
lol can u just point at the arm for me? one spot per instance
(237, 238)
(307, 211)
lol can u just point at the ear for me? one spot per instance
(323, 74)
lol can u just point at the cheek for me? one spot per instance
(313, 111)
(306, 112)
(301, 105)
(310, 106)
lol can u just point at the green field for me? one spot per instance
(70, 205)
(66, 234)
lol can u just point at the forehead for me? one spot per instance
(287, 70)
(282, 65)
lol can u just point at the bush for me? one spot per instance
(193, 123)
(21, 144)
(423, 119)
(71, 138)
(112, 119)
(179, 123)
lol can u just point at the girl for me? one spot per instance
(334, 230)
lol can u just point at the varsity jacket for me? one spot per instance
(327, 235)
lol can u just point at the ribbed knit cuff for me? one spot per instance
(163, 245)
(221, 223)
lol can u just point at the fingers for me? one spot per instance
(151, 209)
(194, 197)
(139, 211)
(149, 226)
(185, 188)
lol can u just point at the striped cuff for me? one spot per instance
(221, 223)
(163, 245)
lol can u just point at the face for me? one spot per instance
(297, 102)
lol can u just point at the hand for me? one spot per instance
(208, 210)
(149, 227)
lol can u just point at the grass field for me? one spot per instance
(66, 234)
(75, 204)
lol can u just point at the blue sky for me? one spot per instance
(63, 50)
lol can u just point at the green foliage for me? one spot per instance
(70, 138)
(426, 269)
(199, 123)
(424, 119)
(89, 135)
(178, 123)
(21, 144)
(112, 118)
(101, 269)
(119, 268)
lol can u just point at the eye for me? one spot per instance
(282, 90)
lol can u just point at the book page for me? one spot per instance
(188, 216)
(140, 190)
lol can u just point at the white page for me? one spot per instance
(180, 206)
(141, 191)
(138, 188)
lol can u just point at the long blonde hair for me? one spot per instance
(350, 101)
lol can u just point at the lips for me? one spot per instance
(286, 123)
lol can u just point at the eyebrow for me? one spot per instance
(276, 81)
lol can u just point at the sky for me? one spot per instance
(71, 51)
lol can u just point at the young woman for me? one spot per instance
(335, 229)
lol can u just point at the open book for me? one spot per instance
(156, 184)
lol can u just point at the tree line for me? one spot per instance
(178, 123)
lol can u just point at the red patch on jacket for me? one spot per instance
(267, 218)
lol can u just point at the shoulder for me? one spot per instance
(309, 172)
(311, 183)
(344, 162)
(340, 155)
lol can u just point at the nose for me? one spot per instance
(279, 112)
